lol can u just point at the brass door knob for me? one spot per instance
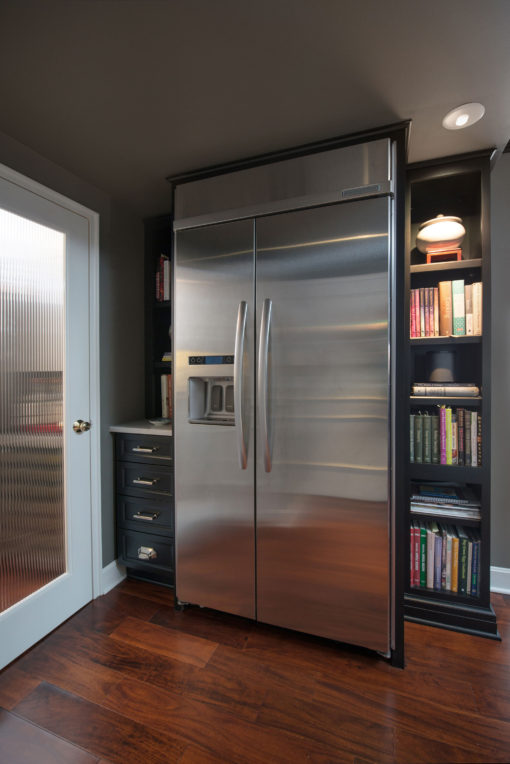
(81, 426)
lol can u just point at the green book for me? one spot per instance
(427, 438)
(458, 307)
(411, 438)
(435, 439)
(418, 439)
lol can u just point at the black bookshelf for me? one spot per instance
(456, 186)
(158, 314)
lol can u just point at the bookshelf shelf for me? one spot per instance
(461, 339)
(456, 265)
(453, 186)
(428, 400)
(445, 472)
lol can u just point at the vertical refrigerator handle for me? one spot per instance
(263, 380)
(239, 384)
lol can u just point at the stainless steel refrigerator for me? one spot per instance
(283, 378)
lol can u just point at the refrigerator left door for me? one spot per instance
(213, 417)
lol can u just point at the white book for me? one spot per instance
(164, 396)
(474, 442)
(477, 307)
(469, 308)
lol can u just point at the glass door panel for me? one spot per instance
(32, 322)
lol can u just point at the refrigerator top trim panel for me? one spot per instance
(350, 172)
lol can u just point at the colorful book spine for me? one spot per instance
(458, 308)
(418, 439)
(448, 438)
(412, 418)
(412, 316)
(479, 440)
(435, 439)
(438, 543)
(422, 312)
(455, 562)
(460, 433)
(426, 296)
(463, 560)
(477, 308)
(427, 438)
(445, 308)
(468, 293)
(442, 434)
(455, 459)
(430, 556)
(474, 439)
(436, 312)
(467, 439)
(444, 548)
(475, 575)
(423, 555)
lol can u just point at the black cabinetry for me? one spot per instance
(145, 509)
(457, 186)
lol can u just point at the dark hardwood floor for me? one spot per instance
(128, 679)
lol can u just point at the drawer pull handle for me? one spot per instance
(145, 481)
(146, 553)
(145, 449)
(150, 516)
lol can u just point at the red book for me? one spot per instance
(412, 314)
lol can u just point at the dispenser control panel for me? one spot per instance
(210, 360)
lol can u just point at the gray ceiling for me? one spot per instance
(126, 92)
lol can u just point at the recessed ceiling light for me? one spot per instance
(463, 116)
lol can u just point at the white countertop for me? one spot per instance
(142, 427)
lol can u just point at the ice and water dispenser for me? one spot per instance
(211, 398)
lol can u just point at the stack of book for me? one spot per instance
(445, 500)
(445, 558)
(163, 279)
(453, 436)
(453, 308)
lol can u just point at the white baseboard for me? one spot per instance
(112, 575)
(500, 580)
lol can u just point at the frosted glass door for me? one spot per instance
(45, 507)
(32, 322)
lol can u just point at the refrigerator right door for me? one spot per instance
(323, 360)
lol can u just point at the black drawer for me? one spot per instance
(145, 448)
(146, 550)
(145, 515)
(144, 479)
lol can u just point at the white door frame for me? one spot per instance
(95, 432)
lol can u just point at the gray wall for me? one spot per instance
(121, 307)
(500, 266)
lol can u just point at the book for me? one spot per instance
(412, 313)
(422, 537)
(427, 437)
(445, 308)
(469, 563)
(444, 549)
(164, 396)
(411, 437)
(436, 311)
(430, 557)
(435, 438)
(460, 436)
(454, 438)
(422, 312)
(448, 434)
(458, 308)
(169, 381)
(412, 550)
(468, 293)
(479, 440)
(445, 389)
(477, 308)
(455, 561)
(463, 560)
(451, 493)
(449, 540)
(438, 548)
(475, 574)
(418, 439)
(426, 297)
(474, 441)
(467, 438)
(442, 435)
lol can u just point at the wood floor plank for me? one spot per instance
(412, 748)
(162, 595)
(219, 732)
(22, 742)
(14, 686)
(97, 729)
(105, 613)
(126, 659)
(168, 642)
(210, 624)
